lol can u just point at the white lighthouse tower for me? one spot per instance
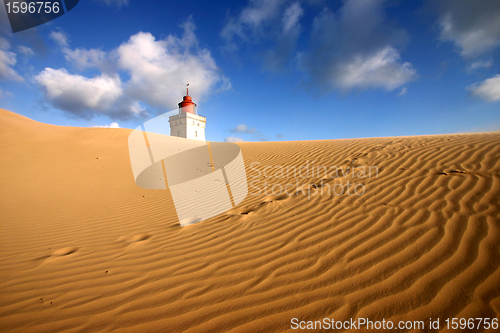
(187, 123)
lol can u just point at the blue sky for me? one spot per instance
(262, 69)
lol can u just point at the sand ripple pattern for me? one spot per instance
(90, 251)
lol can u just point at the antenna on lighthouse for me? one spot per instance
(187, 89)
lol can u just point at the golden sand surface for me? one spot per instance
(84, 249)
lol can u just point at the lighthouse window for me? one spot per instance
(198, 124)
(196, 133)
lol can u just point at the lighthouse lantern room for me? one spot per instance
(188, 123)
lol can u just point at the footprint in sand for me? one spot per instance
(272, 198)
(249, 210)
(451, 172)
(66, 251)
(139, 238)
(242, 211)
(133, 240)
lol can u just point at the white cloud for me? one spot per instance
(112, 125)
(345, 54)
(357, 35)
(242, 129)
(224, 84)
(473, 26)
(4, 44)
(277, 57)
(5, 94)
(7, 61)
(26, 51)
(480, 64)
(266, 20)
(248, 132)
(80, 95)
(233, 139)
(403, 91)
(291, 16)
(117, 3)
(59, 37)
(158, 71)
(256, 14)
(380, 70)
(82, 58)
(488, 89)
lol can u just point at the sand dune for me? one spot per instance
(83, 248)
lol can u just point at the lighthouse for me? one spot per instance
(188, 123)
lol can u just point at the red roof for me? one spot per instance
(187, 102)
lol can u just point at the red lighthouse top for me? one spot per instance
(187, 104)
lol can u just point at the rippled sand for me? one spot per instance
(83, 248)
